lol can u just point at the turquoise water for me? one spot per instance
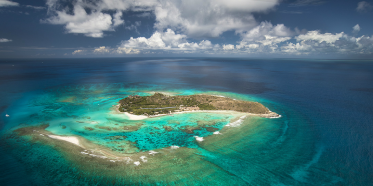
(323, 137)
(236, 153)
(70, 112)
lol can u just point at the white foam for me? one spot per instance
(174, 147)
(273, 117)
(237, 123)
(112, 160)
(217, 132)
(6, 115)
(137, 163)
(143, 159)
(152, 152)
(198, 138)
(219, 96)
(98, 156)
(128, 160)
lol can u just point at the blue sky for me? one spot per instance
(230, 28)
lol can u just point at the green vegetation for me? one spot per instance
(164, 104)
(206, 106)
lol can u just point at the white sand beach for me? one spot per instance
(135, 117)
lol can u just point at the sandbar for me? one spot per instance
(71, 139)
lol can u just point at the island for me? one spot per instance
(160, 104)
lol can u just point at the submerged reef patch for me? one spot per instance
(100, 146)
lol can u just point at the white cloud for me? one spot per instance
(194, 18)
(356, 29)
(328, 43)
(264, 38)
(168, 41)
(364, 6)
(101, 49)
(178, 20)
(121, 50)
(309, 43)
(271, 40)
(77, 52)
(266, 29)
(298, 48)
(203, 45)
(365, 43)
(316, 36)
(80, 22)
(210, 17)
(278, 39)
(36, 7)
(138, 5)
(228, 47)
(158, 40)
(8, 3)
(4, 40)
(117, 19)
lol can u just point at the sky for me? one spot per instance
(187, 28)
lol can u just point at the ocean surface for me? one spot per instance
(324, 137)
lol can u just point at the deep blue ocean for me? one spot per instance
(327, 108)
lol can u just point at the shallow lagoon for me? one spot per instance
(320, 140)
(232, 155)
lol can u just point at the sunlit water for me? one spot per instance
(324, 136)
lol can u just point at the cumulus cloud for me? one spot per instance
(364, 6)
(356, 29)
(78, 21)
(210, 17)
(318, 37)
(7, 3)
(194, 18)
(158, 40)
(176, 21)
(315, 42)
(101, 49)
(268, 42)
(278, 39)
(266, 28)
(328, 43)
(167, 41)
(117, 19)
(203, 45)
(228, 47)
(77, 52)
(297, 48)
(4, 40)
(264, 38)
(121, 50)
